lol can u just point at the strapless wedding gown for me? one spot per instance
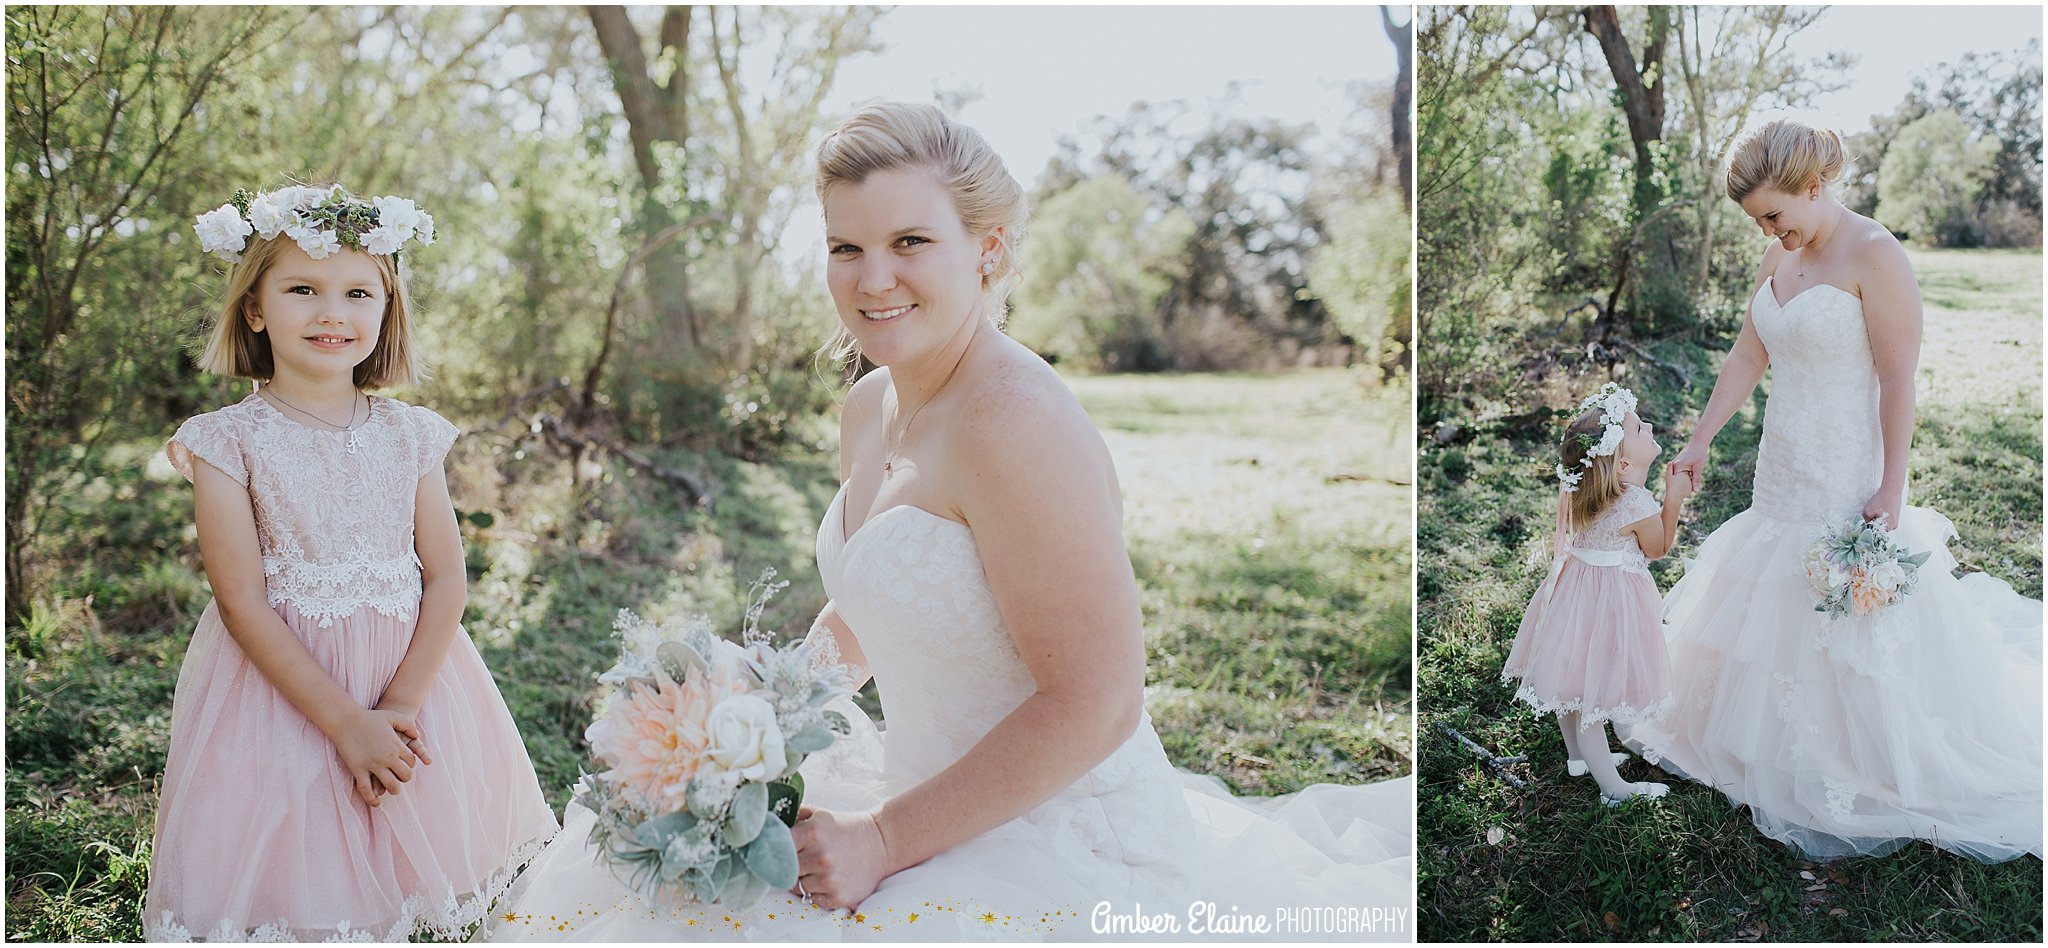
(1133, 835)
(1857, 735)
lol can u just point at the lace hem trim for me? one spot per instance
(1618, 714)
(447, 921)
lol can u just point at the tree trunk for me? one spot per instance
(656, 113)
(1404, 95)
(1642, 101)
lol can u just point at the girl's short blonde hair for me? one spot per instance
(235, 350)
(1784, 156)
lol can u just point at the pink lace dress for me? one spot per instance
(1592, 640)
(259, 833)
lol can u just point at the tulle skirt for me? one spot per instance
(1591, 642)
(260, 834)
(1328, 863)
(1854, 736)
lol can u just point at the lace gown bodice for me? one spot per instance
(335, 525)
(909, 584)
(1822, 453)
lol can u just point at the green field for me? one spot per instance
(1547, 862)
(1268, 520)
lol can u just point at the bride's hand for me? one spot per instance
(1886, 503)
(840, 857)
(1691, 461)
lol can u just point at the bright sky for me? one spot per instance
(1895, 44)
(1044, 72)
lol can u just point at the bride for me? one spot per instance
(1852, 736)
(976, 566)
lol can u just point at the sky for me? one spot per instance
(1895, 44)
(1040, 73)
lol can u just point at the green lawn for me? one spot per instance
(1546, 862)
(1268, 522)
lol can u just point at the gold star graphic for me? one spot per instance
(988, 918)
(913, 915)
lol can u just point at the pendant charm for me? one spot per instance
(351, 442)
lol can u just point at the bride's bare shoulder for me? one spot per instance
(1018, 405)
(1879, 259)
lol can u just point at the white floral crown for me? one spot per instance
(1614, 403)
(320, 220)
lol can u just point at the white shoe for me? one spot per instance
(1643, 789)
(1577, 768)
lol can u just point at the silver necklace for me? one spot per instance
(349, 428)
(889, 453)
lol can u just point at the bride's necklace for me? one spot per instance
(888, 451)
(349, 428)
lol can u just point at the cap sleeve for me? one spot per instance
(1640, 504)
(434, 436)
(211, 439)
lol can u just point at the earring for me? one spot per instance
(988, 267)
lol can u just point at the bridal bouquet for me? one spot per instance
(699, 740)
(1857, 569)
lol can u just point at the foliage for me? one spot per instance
(1931, 178)
(1102, 259)
(1361, 274)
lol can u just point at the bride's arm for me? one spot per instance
(1740, 373)
(832, 643)
(1036, 482)
(1040, 490)
(1892, 319)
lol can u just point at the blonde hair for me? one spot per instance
(235, 350)
(888, 135)
(1600, 485)
(1785, 156)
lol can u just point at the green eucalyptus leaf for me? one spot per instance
(785, 796)
(749, 811)
(772, 855)
(812, 739)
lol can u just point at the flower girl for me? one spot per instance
(341, 764)
(1591, 646)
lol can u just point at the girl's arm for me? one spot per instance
(1040, 491)
(1740, 373)
(1657, 535)
(369, 742)
(444, 591)
(1892, 319)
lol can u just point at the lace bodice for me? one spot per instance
(1822, 454)
(1604, 540)
(909, 583)
(335, 526)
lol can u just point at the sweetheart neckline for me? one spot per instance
(1770, 288)
(836, 512)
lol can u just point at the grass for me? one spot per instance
(1546, 862)
(1268, 535)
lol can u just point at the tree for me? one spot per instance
(102, 107)
(1931, 177)
(1102, 259)
(1361, 275)
(1640, 85)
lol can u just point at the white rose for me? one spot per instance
(745, 738)
(424, 230)
(222, 230)
(383, 240)
(317, 243)
(399, 214)
(269, 216)
(1888, 575)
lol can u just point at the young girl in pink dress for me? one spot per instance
(1591, 645)
(341, 763)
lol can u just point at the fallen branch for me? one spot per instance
(1372, 478)
(1684, 377)
(693, 489)
(1499, 765)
